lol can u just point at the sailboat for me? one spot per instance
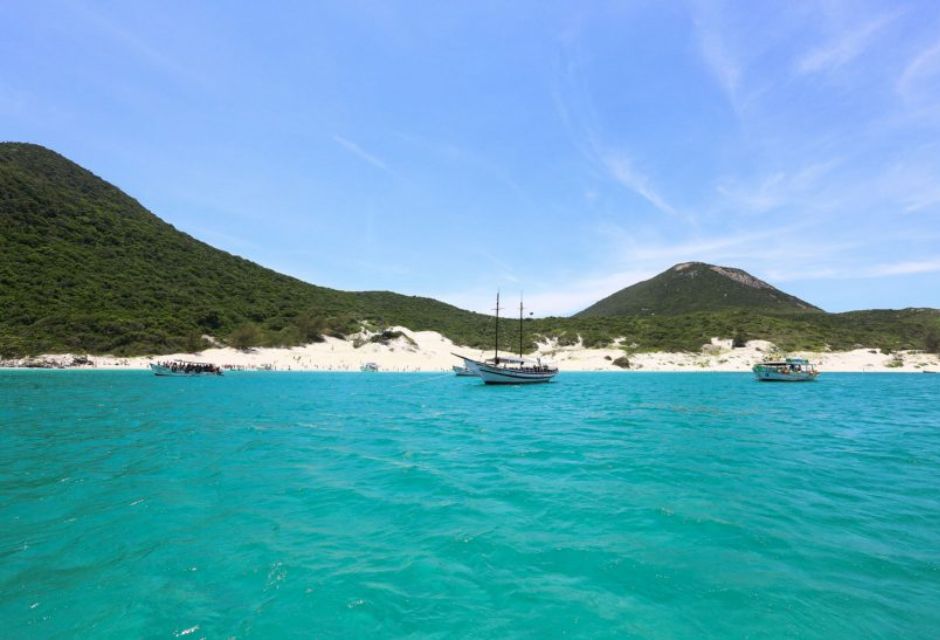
(509, 369)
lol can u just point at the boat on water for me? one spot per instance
(181, 368)
(369, 367)
(509, 369)
(463, 372)
(788, 370)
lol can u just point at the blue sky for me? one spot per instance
(564, 150)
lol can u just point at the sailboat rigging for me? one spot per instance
(509, 370)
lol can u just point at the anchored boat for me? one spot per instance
(509, 370)
(463, 372)
(181, 368)
(788, 370)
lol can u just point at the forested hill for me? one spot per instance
(84, 267)
(690, 287)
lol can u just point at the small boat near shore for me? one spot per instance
(788, 370)
(464, 372)
(181, 368)
(508, 369)
(369, 367)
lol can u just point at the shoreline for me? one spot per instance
(690, 371)
(428, 351)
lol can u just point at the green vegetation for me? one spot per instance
(893, 330)
(932, 340)
(85, 268)
(696, 286)
(388, 336)
(623, 362)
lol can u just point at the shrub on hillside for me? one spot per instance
(623, 362)
(195, 342)
(310, 327)
(932, 341)
(246, 336)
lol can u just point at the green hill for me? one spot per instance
(84, 267)
(692, 287)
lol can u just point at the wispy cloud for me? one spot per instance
(775, 190)
(855, 272)
(451, 153)
(924, 65)
(748, 249)
(905, 268)
(913, 183)
(844, 48)
(622, 170)
(361, 153)
(105, 23)
(720, 57)
(576, 112)
(718, 60)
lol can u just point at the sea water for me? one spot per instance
(317, 505)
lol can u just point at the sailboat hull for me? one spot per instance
(509, 370)
(494, 374)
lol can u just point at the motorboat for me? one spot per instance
(787, 370)
(181, 368)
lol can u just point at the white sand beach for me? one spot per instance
(429, 351)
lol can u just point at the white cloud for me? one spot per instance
(621, 169)
(905, 268)
(844, 48)
(883, 270)
(361, 153)
(724, 67)
(105, 22)
(575, 111)
(913, 184)
(924, 65)
(776, 190)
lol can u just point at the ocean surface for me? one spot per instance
(634, 505)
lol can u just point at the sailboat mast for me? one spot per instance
(520, 327)
(496, 347)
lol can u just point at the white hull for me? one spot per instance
(464, 372)
(493, 374)
(765, 375)
(782, 377)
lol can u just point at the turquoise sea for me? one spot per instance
(291, 505)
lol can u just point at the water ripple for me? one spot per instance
(332, 505)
